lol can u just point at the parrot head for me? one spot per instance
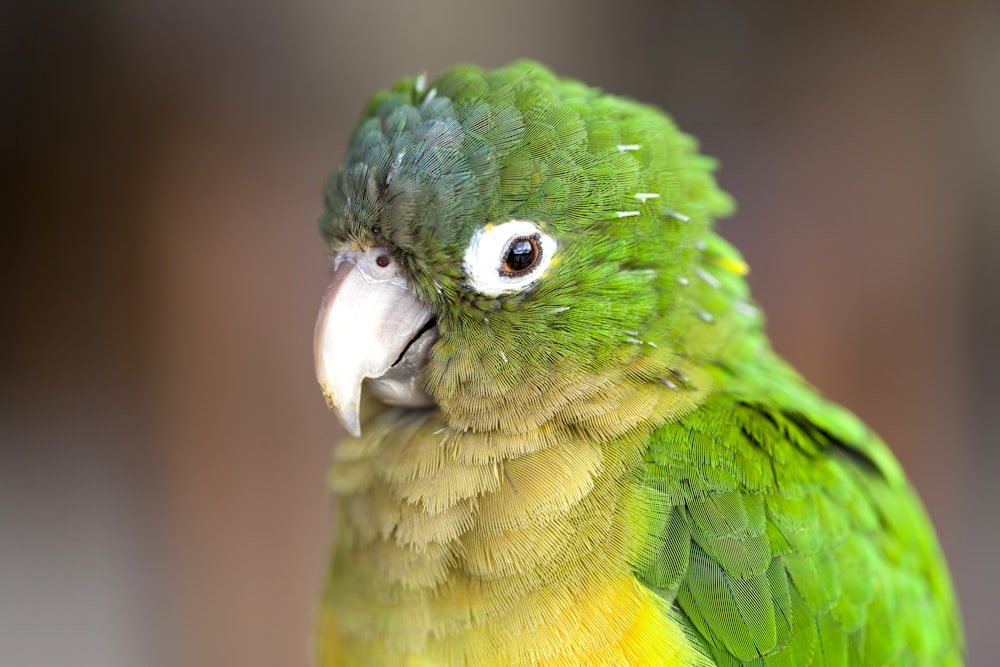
(497, 236)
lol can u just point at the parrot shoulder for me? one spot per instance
(784, 532)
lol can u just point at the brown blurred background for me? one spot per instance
(163, 442)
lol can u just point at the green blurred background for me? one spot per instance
(163, 442)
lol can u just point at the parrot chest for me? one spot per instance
(489, 551)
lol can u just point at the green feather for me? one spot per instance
(851, 541)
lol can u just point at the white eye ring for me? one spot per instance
(488, 251)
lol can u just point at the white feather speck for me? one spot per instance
(394, 168)
(708, 277)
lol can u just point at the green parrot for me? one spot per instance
(571, 442)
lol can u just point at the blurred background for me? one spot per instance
(162, 438)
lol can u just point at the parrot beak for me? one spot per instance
(371, 325)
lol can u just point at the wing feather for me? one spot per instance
(795, 540)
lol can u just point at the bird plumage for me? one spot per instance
(617, 469)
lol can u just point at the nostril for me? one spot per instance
(382, 260)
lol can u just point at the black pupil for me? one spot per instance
(521, 255)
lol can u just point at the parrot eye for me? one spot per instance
(522, 254)
(507, 257)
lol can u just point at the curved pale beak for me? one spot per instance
(371, 325)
